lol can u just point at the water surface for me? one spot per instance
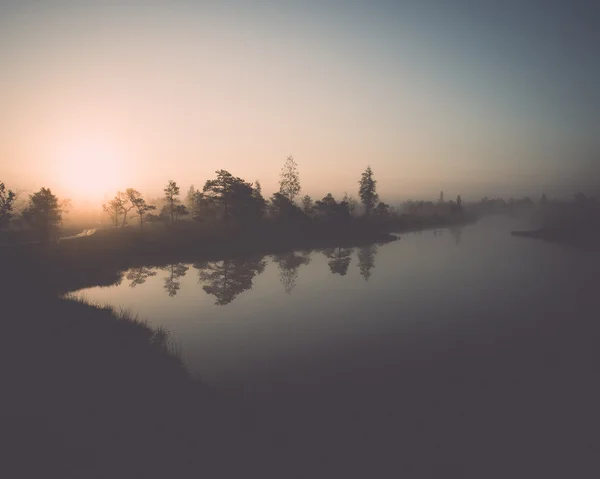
(255, 319)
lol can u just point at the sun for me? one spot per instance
(90, 170)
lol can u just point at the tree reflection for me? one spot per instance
(366, 260)
(139, 276)
(172, 281)
(456, 232)
(226, 279)
(288, 264)
(339, 259)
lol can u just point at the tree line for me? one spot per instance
(230, 199)
(225, 199)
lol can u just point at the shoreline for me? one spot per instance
(55, 269)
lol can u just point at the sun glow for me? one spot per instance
(90, 170)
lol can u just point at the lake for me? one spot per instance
(247, 321)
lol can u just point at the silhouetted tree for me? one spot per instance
(366, 260)
(459, 202)
(329, 209)
(382, 210)
(172, 281)
(247, 203)
(7, 200)
(441, 199)
(220, 190)
(288, 264)
(339, 259)
(139, 204)
(367, 191)
(171, 200)
(307, 205)
(126, 204)
(282, 208)
(179, 211)
(289, 179)
(351, 201)
(113, 209)
(43, 213)
(544, 200)
(226, 279)
(139, 276)
(258, 189)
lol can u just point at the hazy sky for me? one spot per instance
(472, 97)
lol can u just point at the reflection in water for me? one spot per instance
(226, 279)
(288, 264)
(139, 276)
(366, 260)
(456, 232)
(172, 281)
(339, 259)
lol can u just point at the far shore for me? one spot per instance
(97, 260)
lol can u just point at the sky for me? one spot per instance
(469, 97)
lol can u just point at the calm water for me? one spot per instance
(242, 320)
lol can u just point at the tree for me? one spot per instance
(307, 204)
(190, 199)
(126, 206)
(327, 207)
(258, 189)
(43, 213)
(220, 190)
(441, 199)
(459, 201)
(7, 200)
(179, 211)
(351, 201)
(282, 208)
(367, 190)
(115, 208)
(239, 198)
(289, 179)
(382, 210)
(171, 199)
(139, 204)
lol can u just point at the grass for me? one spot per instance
(90, 391)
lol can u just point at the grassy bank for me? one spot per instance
(88, 391)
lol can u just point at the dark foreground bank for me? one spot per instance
(90, 392)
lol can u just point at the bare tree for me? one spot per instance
(139, 204)
(289, 179)
(115, 207)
